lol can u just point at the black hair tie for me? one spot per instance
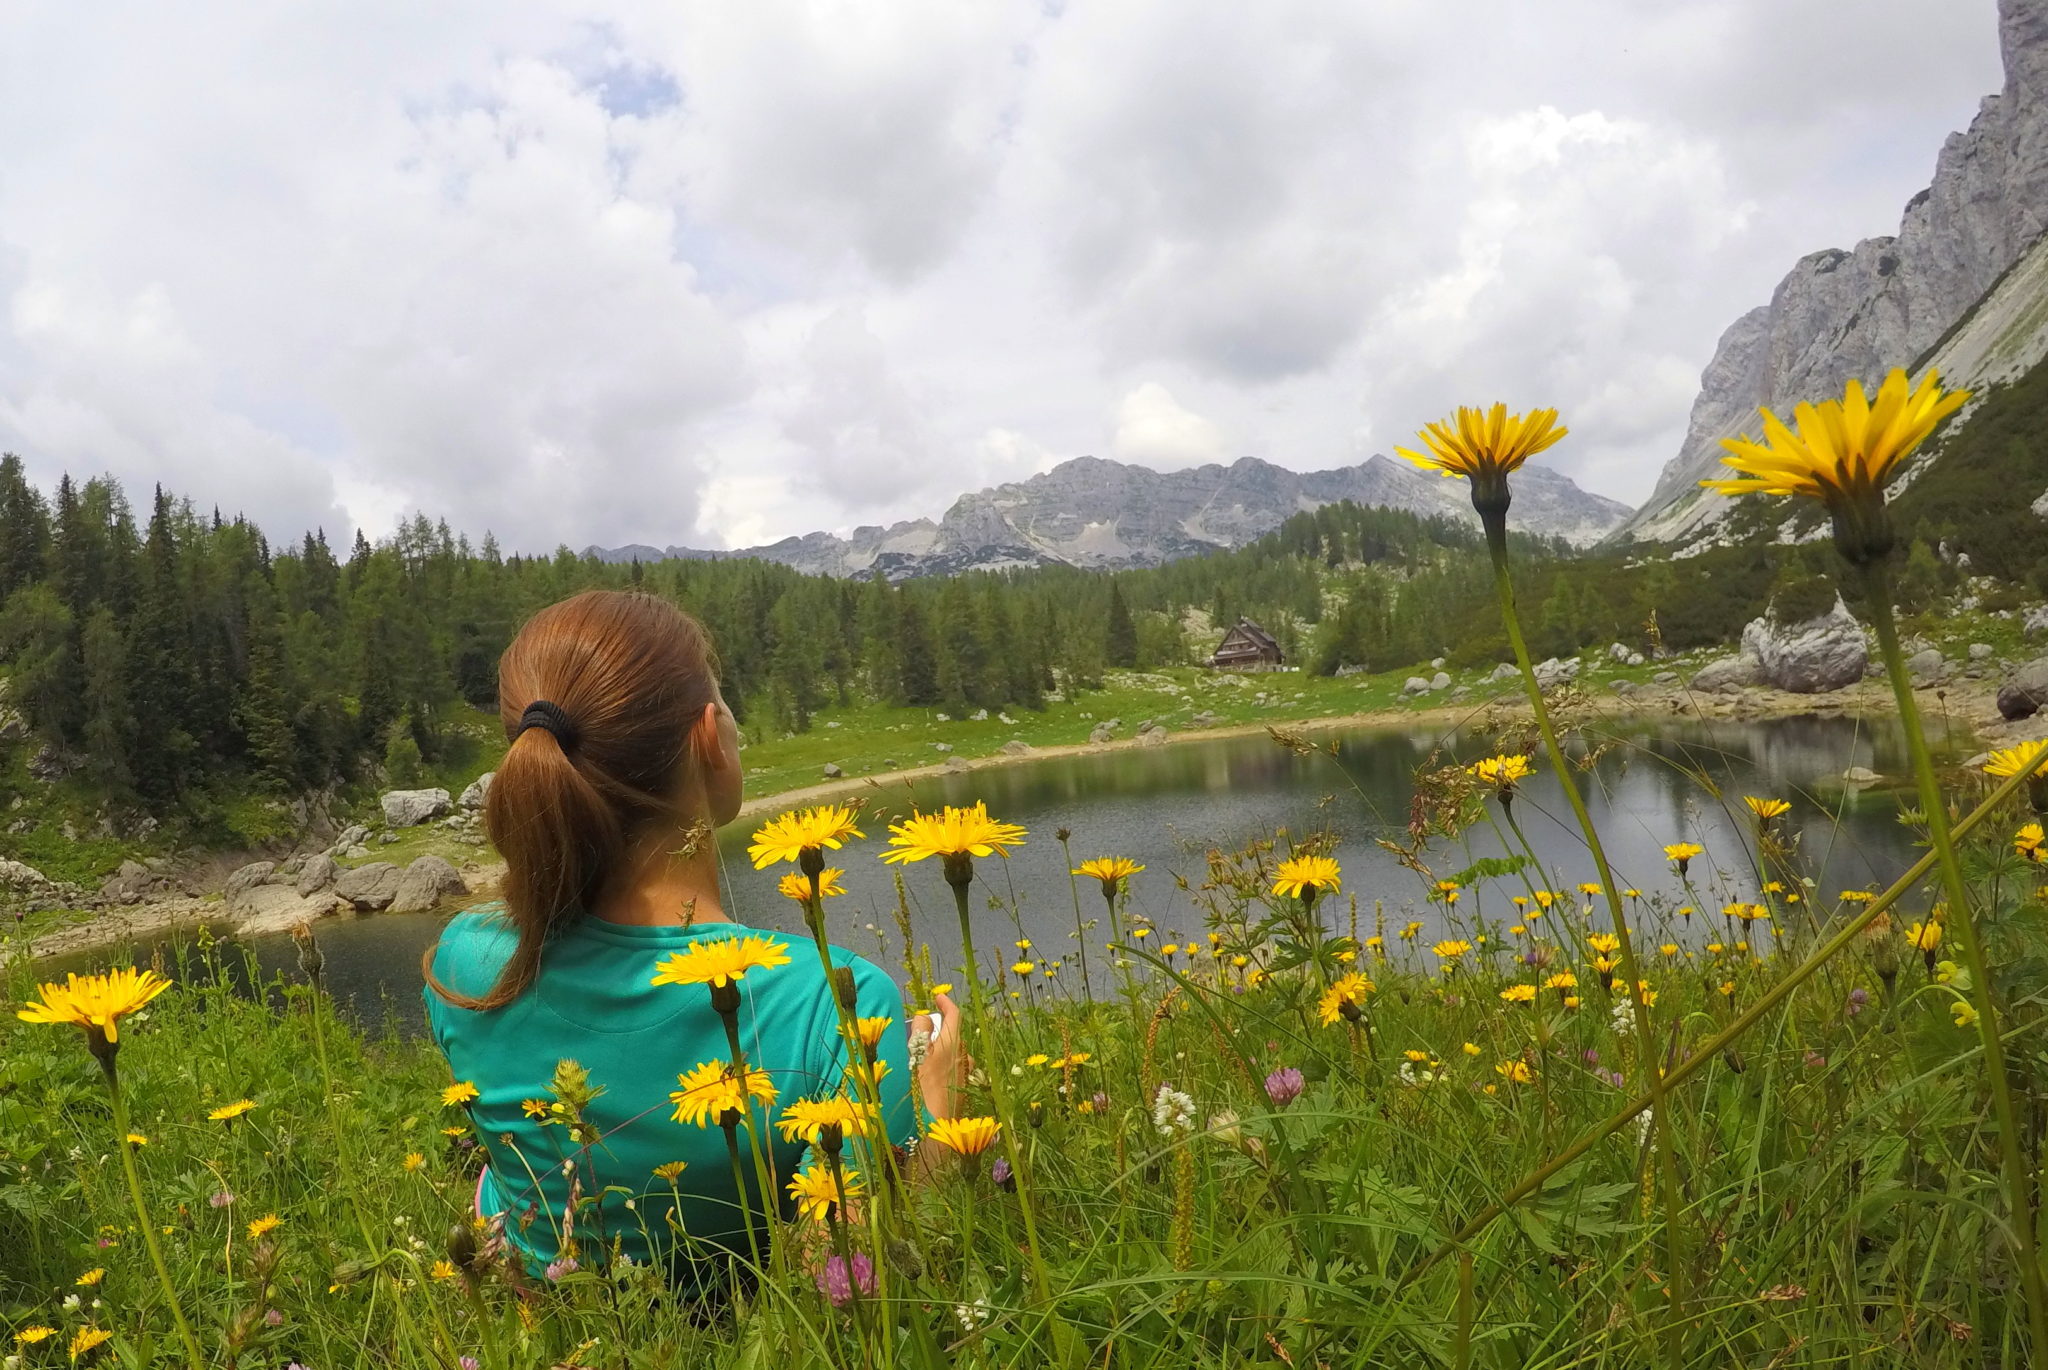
(543, 714)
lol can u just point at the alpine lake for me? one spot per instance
(1168, 807)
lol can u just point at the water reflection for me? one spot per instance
(1166, 807)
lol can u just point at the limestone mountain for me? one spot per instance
(1100, 514)
(1962, 286)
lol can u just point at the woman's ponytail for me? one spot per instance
(597, 695)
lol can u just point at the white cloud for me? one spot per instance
(709, 273)
(1152, 429)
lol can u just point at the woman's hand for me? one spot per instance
(942, 1078)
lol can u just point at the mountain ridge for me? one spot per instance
(1100, 514)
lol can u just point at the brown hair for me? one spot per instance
(630, 675)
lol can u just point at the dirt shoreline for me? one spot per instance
(1968, 706)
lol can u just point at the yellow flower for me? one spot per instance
(461, 1092)
(720, 961)
(1020, 968)
(1306, 877)
(34, 1333)
(1470, 1048)
(2031, 843)
(86, 1338)
(1605, 943)
(1516, 1071)
(227, 1113)
(968, 1136)
(1844, 449)
(863, 1076)
(1924, 936)
(1963, 1012)
(815, 1191)
(1766, 809)
(1519, 994)
(1646, 994)
(536, 1109)
(2007, 762)
(1484, 445)
(1517, 930)
(1857, 896)
(806, 1118)
(1571, 1001)
(797, 887)
(92, 1276)
(1669, 949)
(95, 1003)
(1564, 979)
(264, 1225)
(1347, 991)
(671, 1170)
(1112, 871)
(710, 1091)
(951, 832)
(442, 1270)
(869, 1031)
(1036, 1058)
(137, 1139)
(790, 835)
(1419, 1057)
(414, 1162)
(1501, 772)
(1451, 948)
(1589, 888)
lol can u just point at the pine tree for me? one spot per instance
(917, 670)
(40, 638)
(109, 722)
(1120, 635)
(264, 710)
(24, 528)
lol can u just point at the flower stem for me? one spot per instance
(156, 1251)
(985, 1032)
(1877, 585)
(1495, 521)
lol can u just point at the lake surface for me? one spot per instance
(1166, 807)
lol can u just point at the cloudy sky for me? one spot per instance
(713, 273)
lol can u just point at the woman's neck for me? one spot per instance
(672, 880)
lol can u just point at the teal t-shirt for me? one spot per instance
(593, 1002)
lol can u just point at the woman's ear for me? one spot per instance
(715, 750)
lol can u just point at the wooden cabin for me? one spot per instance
(1247, 647)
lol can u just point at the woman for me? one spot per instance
(623, 759)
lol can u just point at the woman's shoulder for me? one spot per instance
(475, 943)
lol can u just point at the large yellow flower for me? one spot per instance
(1501, 772)
(2031, 843)
(1307, 877)
(805, 1118)
(86, 1339)
(721, 961)
(1924, 936)
(711, 1090)
(1485, 444)
(797, 886)
(1682, 852)
(95, 1003)
(1766, 809)
(951, 832)
(1846, 449)
(790, 835)
(2007, 762)
(227, 1113)
(1112, 871)
(815, 1191)
(968, 1136)
(1346, 992)
(1452, 948)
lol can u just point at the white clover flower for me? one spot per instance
(1172, 1111)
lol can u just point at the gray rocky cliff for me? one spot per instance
(1842, 315)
